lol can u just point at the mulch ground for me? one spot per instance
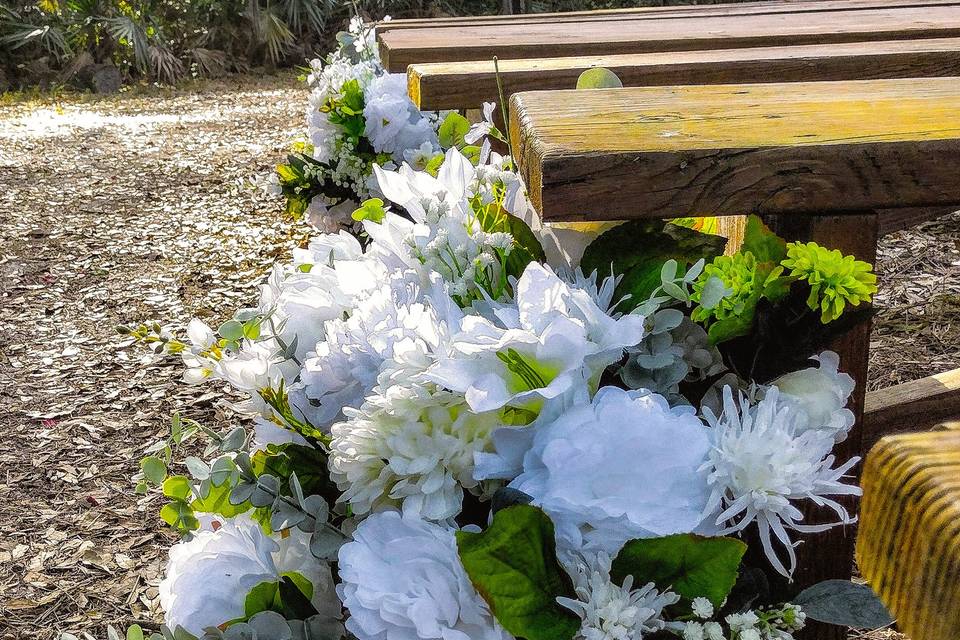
(133, 208)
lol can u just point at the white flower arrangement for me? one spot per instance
(490, 443)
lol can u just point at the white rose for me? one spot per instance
(822, 394)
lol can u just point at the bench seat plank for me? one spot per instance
(748, 7)
(912, 406)
(466, 85)
(792, 148)
(908, 547)
(402, 47)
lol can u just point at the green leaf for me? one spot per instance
(764, 244)
(295, 594)
(309, 464)
(177, 487)
(433, 166)
(231, 330)
(689, 565)
(263, 597)
(452, 130)
(598, 78)
(371, 210)
(513, 565)
(179, 515)
(218, 501)
(638, 249)
(844, 603)
(135, 632)
(154, 469)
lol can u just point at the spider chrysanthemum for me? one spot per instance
(835, 280)
(763, 463)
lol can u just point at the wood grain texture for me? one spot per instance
(830, 554)
(803, 148)
(461, 85)
(402, 47)
(751, 7)
(912, 406)
(909, 542)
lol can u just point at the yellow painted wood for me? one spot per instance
(909, 539)
(461, 85)
(726, 149)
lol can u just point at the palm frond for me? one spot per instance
(21, 34)
(209, 63)
(306, 15)
(165, 65)
(126, 30)
(270, 30)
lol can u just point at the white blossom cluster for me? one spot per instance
(394, 131)
(433, 368)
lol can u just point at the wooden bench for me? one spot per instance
(834, 162)
(706, 28)
(909, 541)
(815, 159)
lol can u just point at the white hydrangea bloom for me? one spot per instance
(409, 446)
(554, 338)
(394, 333)
(614, 612)
(394, 124)
(582, 469)
(209, 576)
(762, 462)
(401, 579)
(822, 394)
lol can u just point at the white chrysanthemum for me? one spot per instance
(762, 462)
(401, 579)
(394, 333)
(208, 577)
(553, 339)
(822, 393)
(409, 446)
(625, 466)
(614, 612)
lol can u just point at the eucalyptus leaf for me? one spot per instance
(844, 603)
(223, 467)
(285, 516)
(234, 440)
(325, 543)
(135, 632)
(231, 330)
(197, 468)
(266, 489)
(154, 469)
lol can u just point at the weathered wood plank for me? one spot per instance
(745, 7)
(461, 85)
(912, 406)
(909, 542)
(803, 148)
(830, 554)
(402, 47)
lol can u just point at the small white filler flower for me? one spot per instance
(609, 611)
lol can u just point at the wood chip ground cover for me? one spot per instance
(132, 209)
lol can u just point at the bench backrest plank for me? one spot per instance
(797, 148)
(745, 7)
(461, 85)
(402, 47)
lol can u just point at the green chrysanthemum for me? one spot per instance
(835, 280)
(743, 276)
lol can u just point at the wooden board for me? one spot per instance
(752, 7)
(912, 406)
(909, 542)
(804, 148)
(462, 85)
(402, 47)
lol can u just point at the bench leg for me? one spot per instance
(830, 554)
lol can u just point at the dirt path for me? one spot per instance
(130, 209)
(116, 211)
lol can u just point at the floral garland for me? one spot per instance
(450, 405)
